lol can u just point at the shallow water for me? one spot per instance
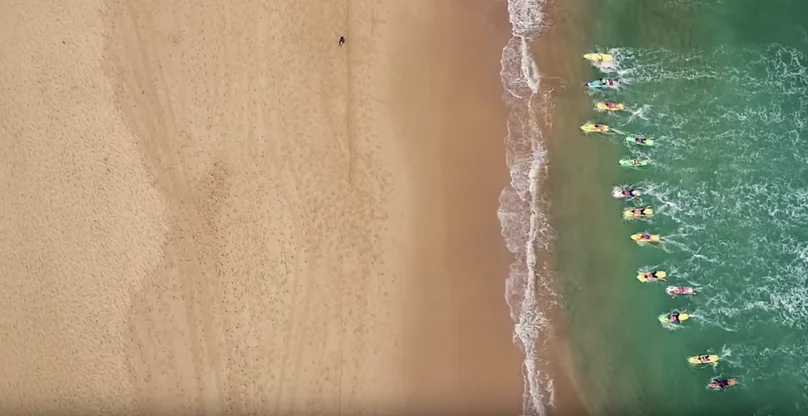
(723, 88)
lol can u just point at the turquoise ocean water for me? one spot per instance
(722, 86)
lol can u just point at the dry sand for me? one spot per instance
(210, 207)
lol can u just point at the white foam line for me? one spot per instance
(526, 161)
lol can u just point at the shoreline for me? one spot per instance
(552, 54)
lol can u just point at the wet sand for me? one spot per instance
(464, 357)
(212, 207)
(557, 51)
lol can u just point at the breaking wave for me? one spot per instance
(522, 206)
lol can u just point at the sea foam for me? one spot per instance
(522, 208)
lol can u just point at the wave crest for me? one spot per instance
(521, 210)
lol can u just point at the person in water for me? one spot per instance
(630, 193)
(651, 276)
(674, 317)
(720, 384)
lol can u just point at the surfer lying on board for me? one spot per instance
(680, 290)
(625, 192)
(722, 384)
(630, 193)
(653, 276)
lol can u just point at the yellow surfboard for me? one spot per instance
(646, 212)
(598, 57)
(655, 238)
(593, 128)
(660, 275)
(616, 107)
(665, 319)
(711, 359)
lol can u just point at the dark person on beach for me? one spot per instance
(341, 40)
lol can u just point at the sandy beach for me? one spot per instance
(212, 207)
(465, 360)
